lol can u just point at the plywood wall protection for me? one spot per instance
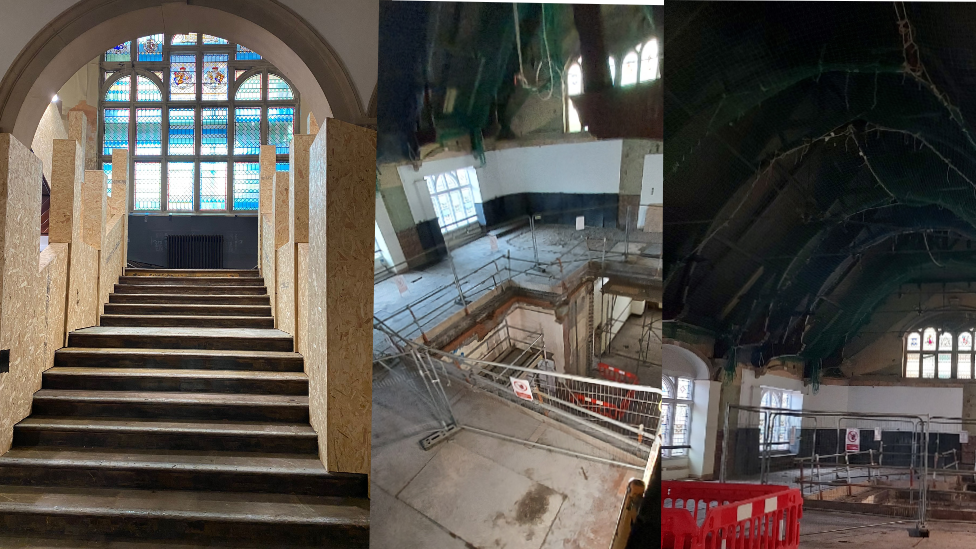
(341, 233)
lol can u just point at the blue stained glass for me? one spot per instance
(147, 90)
(116, 129)
(246, 54)
(189, 38)
(183, 77)
(119, 53)
(278, 89)
(119, 90)
(181, 131)
(281, 167)
(247, 130)
(147, 185)
(214, 77)
(151, 48)
(214, 128)
(208, 39)
(107, 168)
(179, 185)
(250, 89)
(247, 185)
(213, 185)
(149, 131)
(281, 121)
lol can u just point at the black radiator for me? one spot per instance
(195, 251)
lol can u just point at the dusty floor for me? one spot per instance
(478, 491)
(553, 241)
(829, 530)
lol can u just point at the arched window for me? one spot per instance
(649, 61)
(628, 69)
(939, 354)
(193, 110)
(574, 86)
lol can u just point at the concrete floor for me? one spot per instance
(478, 491)
(830, 530)
(553, 242)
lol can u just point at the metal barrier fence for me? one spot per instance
(831, 456)
(421, 315)
(623, 417)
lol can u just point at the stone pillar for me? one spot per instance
(342, 198)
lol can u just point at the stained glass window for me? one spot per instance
(181, 131)
(214, 77)
(649, 61)
(116, 134)
(928, 366)
(179, 184)
(119, 90)
(247, 185)
(181, 135)
(151, 48)
(149, 131)
(945, 365)
(928, 339)
(964, 366)
(911, 366)
(247, 130)
(280, 123)
(147, 185)
(965, 341)
(182, 77)
(147, 90)
(244, 54)
(118, 53)
(107, 168)
(281, 167)
(250, 89)
(628, 71)
(188, 39)
(914, 342)
(278, 89)
(214, 129)
(213, 185)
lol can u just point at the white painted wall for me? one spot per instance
(751, 394)
(540, 320)
(587, 168)
(704, 415)
(389, 239)
(652, 184)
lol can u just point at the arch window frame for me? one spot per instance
(938, 353)
(676, 411)
(615, 62)
(158, 72)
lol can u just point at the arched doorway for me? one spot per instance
(91, 27)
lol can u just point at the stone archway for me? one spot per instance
(90, 27)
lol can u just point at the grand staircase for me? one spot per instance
(182, 420)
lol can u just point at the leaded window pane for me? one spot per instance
(147, 90)
(214, 129)
(147, 185)
(278, 89)
(183, 77)
(179, 181)
(116, 129)
(149, 132)
(247, 130)
(281, 120)
(120, 90)
(182, 129)
(118, 53)
(214, 77)
(213, 185)
(151, 48)
(247, 185)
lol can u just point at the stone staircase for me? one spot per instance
(181, 421)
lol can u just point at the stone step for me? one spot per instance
(186, 309)
(170, 405)
(246, 281)
(184, 320)
(189, 290)
(78, 357)
(174, 470)
(278, 520)
(176, 380)
(176, 273)
(195, 299)
(145, 434)
(234, 339)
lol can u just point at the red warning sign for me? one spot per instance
(853, 440)
(522, 388)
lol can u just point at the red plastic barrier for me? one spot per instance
(610, 373)
(736, 516)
